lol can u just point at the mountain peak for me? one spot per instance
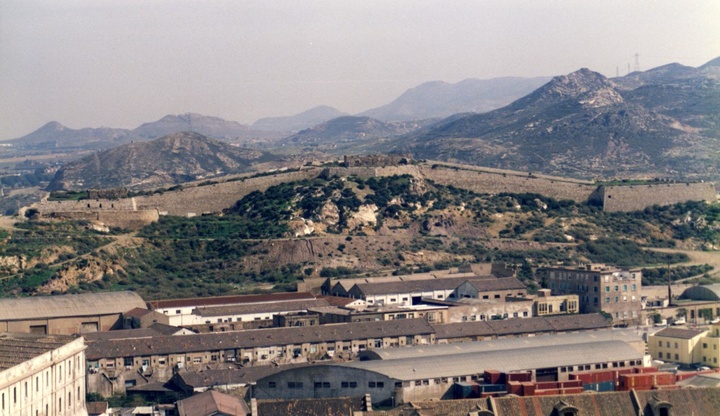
(578, 82)
(52, 126)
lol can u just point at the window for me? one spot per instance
(272, 384)
(607, 299)
(295, 384)
(177, 311)
(660, 355)
(371, 384)
(128, 361)
(676, 345)
(704, 345)
(607, 288)
(677, 357)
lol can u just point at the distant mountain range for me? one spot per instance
(664, 122)
(304, 120)
(439, 99)
(661, 122)
(431, 100)
(172, 159)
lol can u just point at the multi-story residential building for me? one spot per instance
(42, 375)
(600, 289)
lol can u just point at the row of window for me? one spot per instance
(327, 385)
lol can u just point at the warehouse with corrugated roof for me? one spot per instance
(67, 314)
(414, 376)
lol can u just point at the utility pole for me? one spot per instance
(669, 281)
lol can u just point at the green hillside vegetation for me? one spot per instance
(420, 226)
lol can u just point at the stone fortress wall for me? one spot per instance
(197, 199)
(495, 181)
(215, 197)
(638, 197)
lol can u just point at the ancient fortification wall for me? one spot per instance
(216, 197)
(46, 207)
(131, 220)
(495, 181)
(370, 171)
(638, 197)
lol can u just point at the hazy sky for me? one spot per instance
(119, 63)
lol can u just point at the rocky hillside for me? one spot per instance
(437, 99)
(335, 226)
(662, 122)
(173, 159)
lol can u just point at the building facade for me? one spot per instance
(42, 375)
(600, 288)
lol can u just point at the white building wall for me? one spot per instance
(51, 384)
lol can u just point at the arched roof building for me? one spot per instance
(706, 292)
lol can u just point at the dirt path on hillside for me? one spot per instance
(698, 258)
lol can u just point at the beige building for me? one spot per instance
(67, 314)
(546, 304)
(678, 345)
(600, 288)
(42, 375)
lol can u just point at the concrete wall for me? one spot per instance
(639, 197)
(50, 384)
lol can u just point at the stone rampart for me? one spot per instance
(216, 197)
(47, 207)
(639, 197)
(132, 220)
(376, 160)
(495, 182)
(366, 172)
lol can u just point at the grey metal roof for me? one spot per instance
(705, 292)
(515, 359)
(505, 344)
(60, 306)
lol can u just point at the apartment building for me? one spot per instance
(600, 288)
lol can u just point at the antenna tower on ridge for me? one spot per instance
(637, 62)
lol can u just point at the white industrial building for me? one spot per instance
(42, 375)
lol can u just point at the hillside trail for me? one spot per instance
(697, 257)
